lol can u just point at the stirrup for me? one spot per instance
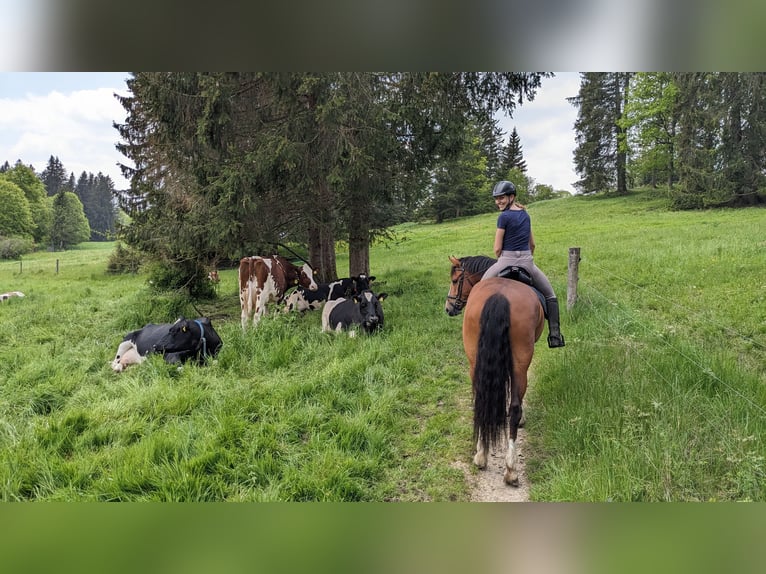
(555, 341)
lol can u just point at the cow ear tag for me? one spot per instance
(295, 281)
(183, 328)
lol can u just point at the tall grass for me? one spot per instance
(658, 394)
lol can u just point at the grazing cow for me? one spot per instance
(363, 309)
(304, 300)
(264, 279)
(213, 277)
(180, 341)
(6, 296)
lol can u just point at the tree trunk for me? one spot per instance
(322, 237)
(621, 94)
(359, 241)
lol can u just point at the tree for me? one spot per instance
(231, 164)
(54, 176)
(96, 192)
(461, 186)
(651, 121)
(15, 215)
(513, 156)
(34, 192)
(601, 154)
(492, 136)
(742, 149)
(70, 226)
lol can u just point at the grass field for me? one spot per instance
(658, 395)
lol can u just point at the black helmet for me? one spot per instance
(503, 188)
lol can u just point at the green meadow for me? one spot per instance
(659, 394)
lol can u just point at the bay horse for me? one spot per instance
(466, 272)
(503, 321)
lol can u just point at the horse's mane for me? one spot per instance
(477, 263)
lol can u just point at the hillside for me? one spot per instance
(658, 394)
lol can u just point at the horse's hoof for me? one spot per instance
(480, 460)
(511, 477)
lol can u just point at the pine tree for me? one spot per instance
(54, 176)
(600, 156)
(514, 158)
(229, 164)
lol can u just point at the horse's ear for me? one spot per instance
(455, 261)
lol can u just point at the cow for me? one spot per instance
(363, 309)
(305, 300)
(179, 342)
(265, 279)
(6, 296)
(213, 277)
(362, 282)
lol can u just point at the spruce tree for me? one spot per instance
(54, 176)
(514, 158)
(600, 157)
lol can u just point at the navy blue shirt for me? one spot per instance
(517, 225)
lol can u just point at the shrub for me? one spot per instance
(188, 276)
(686, 201)
(15, 247)
(124, 260)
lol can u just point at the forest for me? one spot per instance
(53, 210)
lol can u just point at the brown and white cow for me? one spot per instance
(264, 279)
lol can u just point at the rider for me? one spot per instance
(515, 245)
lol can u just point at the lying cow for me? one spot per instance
(363, 309)
(179, 342)
(265, 279)
(6, 296)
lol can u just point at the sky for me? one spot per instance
(70, 115)
(64, 114)
(546, 131)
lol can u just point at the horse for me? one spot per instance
(466, 272)
(503, 321)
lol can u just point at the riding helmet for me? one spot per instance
(503, 188)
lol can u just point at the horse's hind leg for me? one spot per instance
(511, 475)
(480, 458)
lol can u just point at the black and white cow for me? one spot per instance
(363, 310)
(178, 342)
(6, 296)
(305, 300)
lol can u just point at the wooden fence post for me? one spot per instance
(57, 266)
(572, 277)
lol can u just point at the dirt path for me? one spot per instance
(488, 486)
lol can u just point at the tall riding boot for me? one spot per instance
(555, 338)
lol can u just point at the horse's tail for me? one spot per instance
(493, 371)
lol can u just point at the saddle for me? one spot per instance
(522, 275)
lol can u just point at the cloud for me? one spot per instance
(546, 130)
(75, 127)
